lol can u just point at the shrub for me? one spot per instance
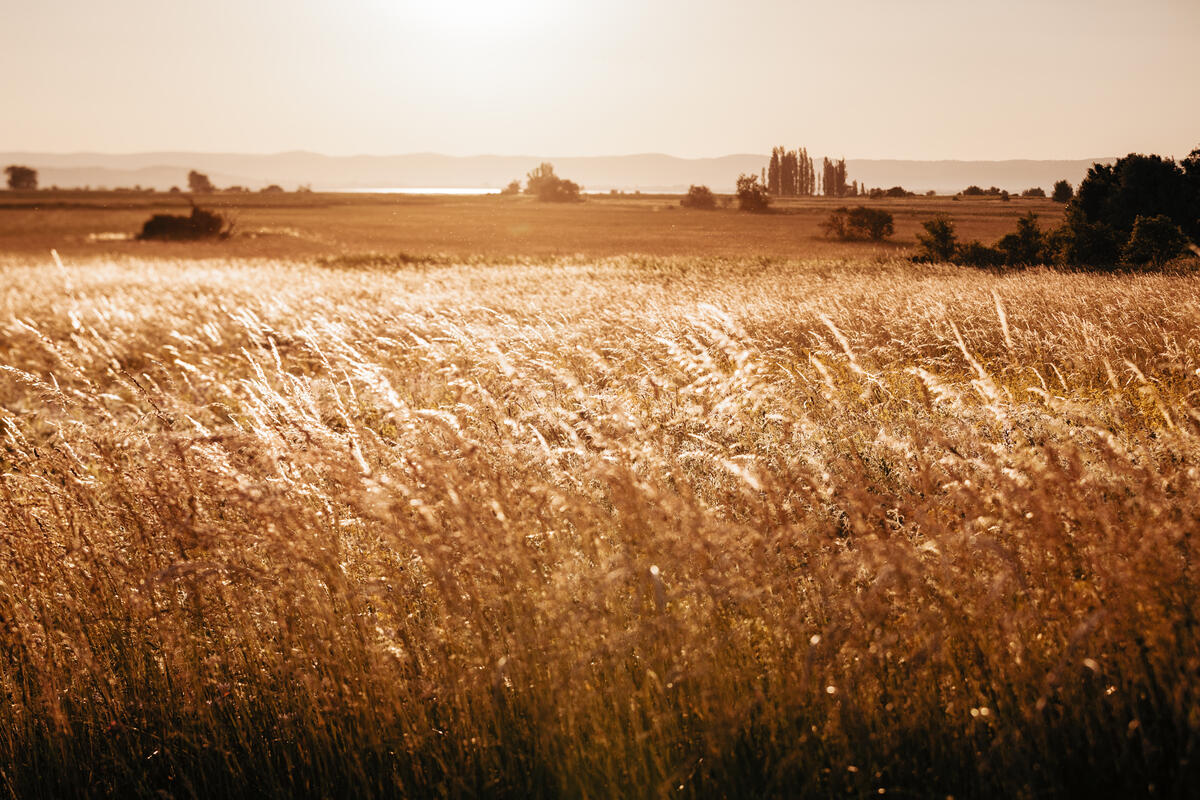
(874, 223)
(1062, 192)
(699, 197)
(978, 254)
(1153, 242)
(1035, 191)
(200, 224)
(835, 224)
(751, 194)
(543, 184)
(972, 191)
(939, 242)
(274, 188)
(895, 191)
(514, 187)
(1083, 242)
(1025, 247)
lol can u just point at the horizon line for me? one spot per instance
(430, 153)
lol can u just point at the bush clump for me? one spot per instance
(849, 224)
(1153, 242)
(1029, 245)
(939, 243)
(752, 194)
(200, 224)
(699, 197)
(543, 184)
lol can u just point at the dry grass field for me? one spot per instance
(306, 225)
(283, 520)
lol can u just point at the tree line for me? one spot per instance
(791, 173)
(1141, 212)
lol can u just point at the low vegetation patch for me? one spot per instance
(849, 224)
(699, 197)
(200, 224)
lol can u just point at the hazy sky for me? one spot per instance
(860, 78)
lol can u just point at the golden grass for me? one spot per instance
(596, 528)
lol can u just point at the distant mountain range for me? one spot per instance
(651, 172)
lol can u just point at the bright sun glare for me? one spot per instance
(475, 16)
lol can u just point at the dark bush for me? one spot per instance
(1062, 192)
(859, 223)
(1082, 242)
(835, 224)
(939, 242)
(543, 184)
(978, 254)
(274, 188)
(200, 224)
(972, 191)
(1136, 186)
(895, 191)
(751, 194)
(1101, 217)
(1025, 247)
(1035, 191)
(1153, 242)
(699, 197)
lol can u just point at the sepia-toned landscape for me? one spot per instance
(789, 486)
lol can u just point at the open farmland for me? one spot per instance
(595, 525)
(308, 225)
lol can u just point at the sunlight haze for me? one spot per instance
(925, 79)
